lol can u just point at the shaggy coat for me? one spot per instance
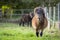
(39, 21)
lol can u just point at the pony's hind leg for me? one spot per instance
(37, 33)
(23, 23)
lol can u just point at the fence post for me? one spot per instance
(58, 17)
(11, 15)
(54, 9)
(45, 10)
(22, 11)
(49, 16)
(46, 14)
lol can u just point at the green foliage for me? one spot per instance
(28, 3)
(6, 10)
(4, 7)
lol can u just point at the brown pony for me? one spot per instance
(39, 21)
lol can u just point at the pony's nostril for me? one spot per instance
(39, 18)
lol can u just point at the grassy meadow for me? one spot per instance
(10, 31)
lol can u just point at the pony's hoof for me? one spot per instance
(37, 34)
(41, 34)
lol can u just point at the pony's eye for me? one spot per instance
(36, 10)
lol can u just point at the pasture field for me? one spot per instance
(10, 31)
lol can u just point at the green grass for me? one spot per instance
(9, 31)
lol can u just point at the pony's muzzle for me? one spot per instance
(39, 19)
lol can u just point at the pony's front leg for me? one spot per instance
(37, 33)
(41, 33)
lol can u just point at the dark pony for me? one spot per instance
(39, 21)
(26, 19)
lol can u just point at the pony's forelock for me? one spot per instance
(37, 8)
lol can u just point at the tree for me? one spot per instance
(28, 3)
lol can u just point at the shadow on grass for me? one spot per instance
(8, 34)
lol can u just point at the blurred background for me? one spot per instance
(15, 14)
(13, 10)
